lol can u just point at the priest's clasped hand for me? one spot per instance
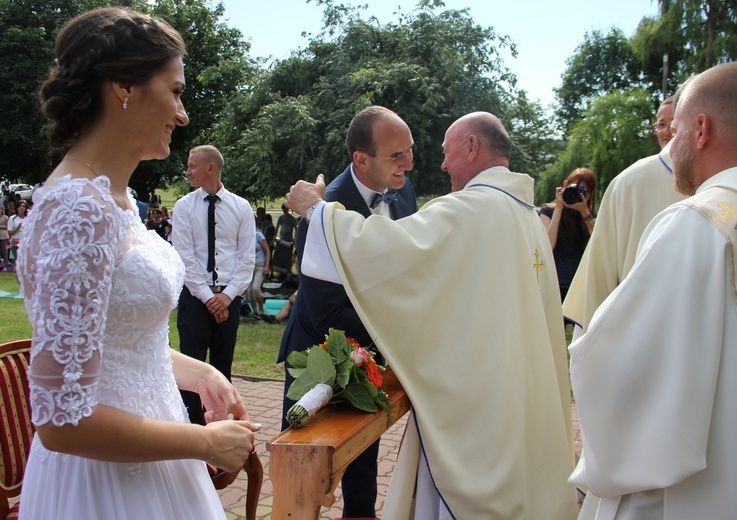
(304, 195)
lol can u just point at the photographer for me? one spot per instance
(569, 221)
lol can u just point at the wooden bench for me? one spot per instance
(306, 464)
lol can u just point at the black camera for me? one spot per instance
(574, 194)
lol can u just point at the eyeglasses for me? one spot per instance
(661, 126)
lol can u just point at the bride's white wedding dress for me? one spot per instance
(98, 289)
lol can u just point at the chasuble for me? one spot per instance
(631, 200)
(655, 376)
(462, 299)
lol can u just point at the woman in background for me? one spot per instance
(16, 229)
(113, 439)
(260, 270)
(569, 220)
(4, 238)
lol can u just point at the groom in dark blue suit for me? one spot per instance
(380, 146)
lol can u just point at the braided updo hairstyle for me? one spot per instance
(104, 44)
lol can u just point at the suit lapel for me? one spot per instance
(344, 189)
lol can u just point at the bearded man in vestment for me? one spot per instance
(655, 375)
(462, 299)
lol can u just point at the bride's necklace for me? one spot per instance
(120, 200)
(88, 165)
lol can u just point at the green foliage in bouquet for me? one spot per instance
(340, 363)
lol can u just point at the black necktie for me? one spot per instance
(211, 199)
(389, 196)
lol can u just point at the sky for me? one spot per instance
(546, 32)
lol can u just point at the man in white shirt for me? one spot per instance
(218, 256)
(655, 375)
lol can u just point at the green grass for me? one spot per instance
(14, 323)
(169, 197)
(255, 350)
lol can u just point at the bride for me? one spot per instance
(113, 439)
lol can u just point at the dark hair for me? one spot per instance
(586, 177)
(578, 231)
(360, 137)
(104, 44)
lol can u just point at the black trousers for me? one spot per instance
(198, 333)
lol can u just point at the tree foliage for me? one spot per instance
(287, 121)
(430, 66)
(27, 30)
(614, 133)
(655, 38)
(708, 31)
(693, 34)
(217, 64)
(602, 63)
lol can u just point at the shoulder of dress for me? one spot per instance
(80, 193)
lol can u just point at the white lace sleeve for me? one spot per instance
(69, 257)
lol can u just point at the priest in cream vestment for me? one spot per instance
(655, 375)
(631, 200)
(462, 300)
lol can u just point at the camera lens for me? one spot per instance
(571, 195)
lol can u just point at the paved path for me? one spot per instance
(264, 400)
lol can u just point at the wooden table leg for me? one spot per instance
(301, 479)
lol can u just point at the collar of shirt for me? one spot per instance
(220, 193)
(368, 197)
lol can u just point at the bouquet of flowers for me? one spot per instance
(337, 371)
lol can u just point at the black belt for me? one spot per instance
(217, 288)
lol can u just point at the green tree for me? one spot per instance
(694, 34)
(710, 30)
(27, 30)
(614, 133)
(602, 63)
(217, 65)
(533, 144)
(656, 38)
(430, 66)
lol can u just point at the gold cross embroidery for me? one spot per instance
(538, 265)
(728, 213)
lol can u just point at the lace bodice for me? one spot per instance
(98, 289)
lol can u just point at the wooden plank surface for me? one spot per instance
(306, 464)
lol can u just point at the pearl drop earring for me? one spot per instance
(125, 103)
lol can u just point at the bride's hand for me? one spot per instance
(220, 398)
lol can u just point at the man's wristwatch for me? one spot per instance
(311, 210)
